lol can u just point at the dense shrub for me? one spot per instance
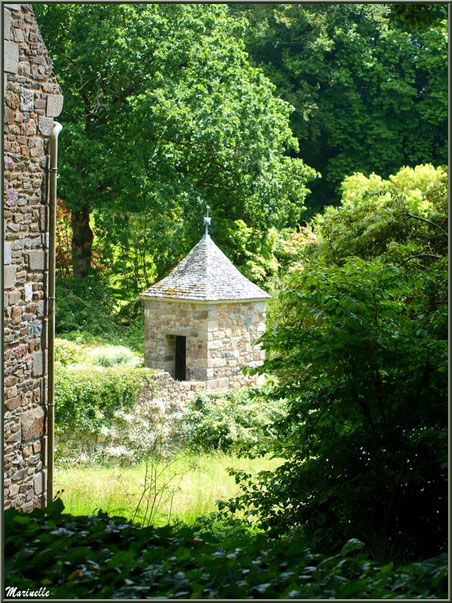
(359, 348)
(86, 397)
(69, 352)
(235, 420)
(108, 557)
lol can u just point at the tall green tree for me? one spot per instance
(369, 94)
(163, 114)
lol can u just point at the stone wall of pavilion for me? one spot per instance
(220, 339)
(32, 100)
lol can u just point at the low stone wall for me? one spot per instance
(162, 401)
(173, 392)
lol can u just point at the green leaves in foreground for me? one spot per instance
(109, 557)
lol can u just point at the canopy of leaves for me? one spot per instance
(110, 558)
(360, 352)
(163, 114)
(368, 95)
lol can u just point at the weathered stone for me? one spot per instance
(37, 259)
(54, 105)
(9, 276)
(28, 291)
(27, 100)
(13, 403)
(9, 116)
(7, 253)
(32, 424)
(38, 364)
(45, 125)
(19, 475)
(38, 483)
(35, 329)
(7, 24)
(11, 56)
(16, 315)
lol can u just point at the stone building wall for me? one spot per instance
(232, 330)
(220, 339)
(162, 322)
(32, 99)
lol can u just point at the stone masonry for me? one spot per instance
(217, 312)
(32, 100)
(220, 339)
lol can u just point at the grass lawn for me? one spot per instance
(183, 490)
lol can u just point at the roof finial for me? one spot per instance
(207, 220)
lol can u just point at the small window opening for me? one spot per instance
(181, 358)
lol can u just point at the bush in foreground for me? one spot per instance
(108, 557)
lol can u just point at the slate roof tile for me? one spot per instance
(206, 274)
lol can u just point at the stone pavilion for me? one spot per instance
(202, 320)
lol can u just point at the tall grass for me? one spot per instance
(199, 481)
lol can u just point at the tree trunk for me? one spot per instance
(82, 241)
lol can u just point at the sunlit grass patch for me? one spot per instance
(194, 484)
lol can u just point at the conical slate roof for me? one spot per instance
(206, 274)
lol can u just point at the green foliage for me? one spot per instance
(108, 557)
(163, 114)
(234, 421)
(87, 397)
(414, 16)
(68, 352)
(359, 347)
(368, 95)
(392, 219)
(88, 313)
(113, 355)
(83, 304)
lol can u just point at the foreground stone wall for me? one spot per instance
(32, 99)
(220, 339)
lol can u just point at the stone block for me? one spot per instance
(28, 291)
(40, 309)
(54, 105)
(38, 482)
(7, 24)
(45, 125)
(27, 98)
(37, 259)
(11, 56)
(9, 276)
(16, 315)
(7, 253)
(13, 403)
(19, 475)
(38, 364)
(32, 424)
(35, 329)
(13, 297)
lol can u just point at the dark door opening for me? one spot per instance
(181, 358)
